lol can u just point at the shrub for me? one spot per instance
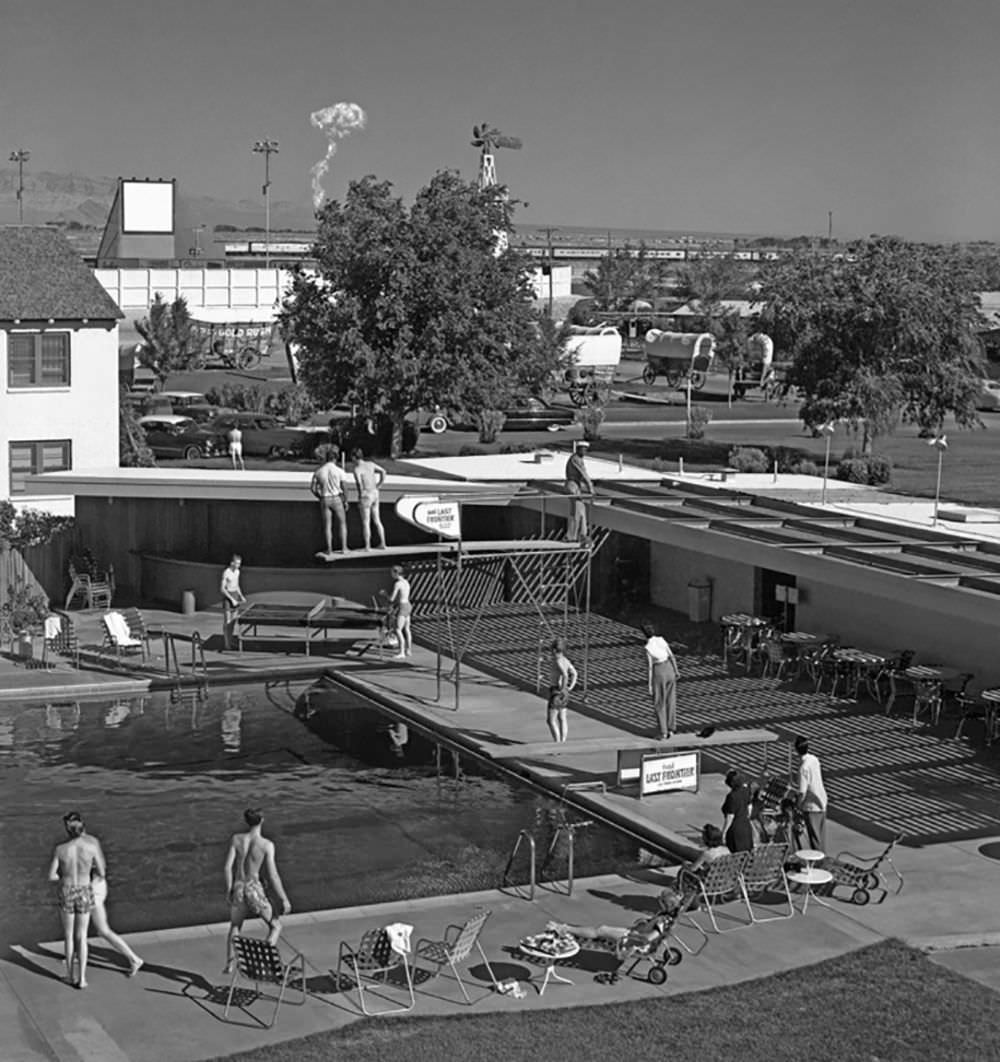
(373, 436)
(872, 469)
(517, 448)
(236, 396)
(471, 451)
(805, 468)
(747, 459)
(490, 421)
(879, 469)
(590, 418)
(698, 422)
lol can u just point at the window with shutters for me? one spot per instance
(38, 359)
(29, 458)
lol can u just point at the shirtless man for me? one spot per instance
(235, 437)
(562, 680)
(327, 487)
(248, 852)
(72, 863)
(232, 598)
(368, 477)
(399, 599)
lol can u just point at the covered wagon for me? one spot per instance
(684, 358)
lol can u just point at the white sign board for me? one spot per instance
(148, 207)
(667, 772)
(442, 518)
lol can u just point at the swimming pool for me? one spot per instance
(163, 782)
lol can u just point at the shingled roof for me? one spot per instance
(42, 277)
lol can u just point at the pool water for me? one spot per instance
(163, 782)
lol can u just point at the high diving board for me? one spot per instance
(533, 750)
(496, 547)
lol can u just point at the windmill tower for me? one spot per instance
(488, 139)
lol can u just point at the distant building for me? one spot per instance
(58, 364)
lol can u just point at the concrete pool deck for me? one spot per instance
(173, 1009)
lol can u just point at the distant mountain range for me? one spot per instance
(72, 197)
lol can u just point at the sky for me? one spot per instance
(726, 116)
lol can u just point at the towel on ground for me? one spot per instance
(399, 937)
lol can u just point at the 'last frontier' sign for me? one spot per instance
(670, 772)
(442, 518)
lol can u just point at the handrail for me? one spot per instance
(523, 835)
(198, 654)
(569, 828)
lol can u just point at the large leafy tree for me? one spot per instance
(410, 308)
(171, 341)
(888, 335)
(623, 275)
(706, 282)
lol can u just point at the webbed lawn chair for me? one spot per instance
(764, 872)
(863, 875)
(262, 962)
(455, 947)
(95, 587)
(373, 960)
(119, 636)
(715, 884)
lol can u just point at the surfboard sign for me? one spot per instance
(429, 513)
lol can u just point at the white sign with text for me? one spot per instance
(442, 518)
(669, 772)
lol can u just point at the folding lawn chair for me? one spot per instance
(373, 960)
(716, 884)
(261, 962)
(455, 947)
(118, 635)
(764, 871)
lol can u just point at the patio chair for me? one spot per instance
(372, 961)
(764, 871)
(455, 947)
(65, 641)
(262, 962)
(95, 587)
(118, 635)
(718, 883)
(777, 657)
(863, 874)
(927, 696)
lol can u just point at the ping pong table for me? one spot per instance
(312, 621)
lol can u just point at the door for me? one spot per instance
(776, 596)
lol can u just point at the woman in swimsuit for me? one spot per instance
(99, 916)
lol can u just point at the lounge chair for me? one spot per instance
(863, 874)
(455, 947)
(119, 636)
(373, 960)
(262, 962)
(717, 883)
(764, 871)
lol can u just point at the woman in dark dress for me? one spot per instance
(736, 809)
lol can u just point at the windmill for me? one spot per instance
(488, 139)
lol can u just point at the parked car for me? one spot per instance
(191, 404)
(530, 414)
(266, 436)
(170, 435)
(988, 400)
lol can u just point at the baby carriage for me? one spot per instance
(863, 874)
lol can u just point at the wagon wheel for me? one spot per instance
(578, 394)
(248, 358)
(674, 377)
(649, 374)
(698, 379)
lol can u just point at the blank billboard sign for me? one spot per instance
(147, 207)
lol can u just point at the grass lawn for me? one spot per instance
(886, 1003)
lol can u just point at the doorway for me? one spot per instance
(775, 597)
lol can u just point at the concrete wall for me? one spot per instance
(86, 412)
(672, 568)
(135, 289)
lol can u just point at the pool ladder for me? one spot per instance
(534, 872)
(198, 663)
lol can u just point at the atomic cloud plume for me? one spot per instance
(334, 123)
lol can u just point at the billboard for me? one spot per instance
(147, 207)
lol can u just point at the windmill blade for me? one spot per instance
(475, 131)
(513, 142)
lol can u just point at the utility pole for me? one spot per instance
(829, 226)
(552, 260)
(20, 157)
(267, 148)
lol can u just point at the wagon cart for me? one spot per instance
(595, 354)
(233, 343)
(684, 358)
(752, 368)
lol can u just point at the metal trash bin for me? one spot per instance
(699, 600)
(189, 605)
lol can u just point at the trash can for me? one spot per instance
(699, 600)
(189, 605)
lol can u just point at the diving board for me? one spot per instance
(533, 750)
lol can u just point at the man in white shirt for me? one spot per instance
(327, 487)
(812, 795)
(662, 674)
(232, 598)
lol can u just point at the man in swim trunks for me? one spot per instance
(399, 600)
(248, 853)
(562, 680)
(327, 487)
(232, 598)
(70, 869)
(368, 477)
(235, 437)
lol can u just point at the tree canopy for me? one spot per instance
(170, 340)
(412, 308)
(888, 335)
(622, 276)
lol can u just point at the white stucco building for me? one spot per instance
(58, 365)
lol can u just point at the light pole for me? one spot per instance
(267, 148)
(20, 157)
(940, 443)
(548, 240)
(827, 429)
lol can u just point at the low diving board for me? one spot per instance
(534, 750)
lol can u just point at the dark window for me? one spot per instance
(38, 359)
(29, 458)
